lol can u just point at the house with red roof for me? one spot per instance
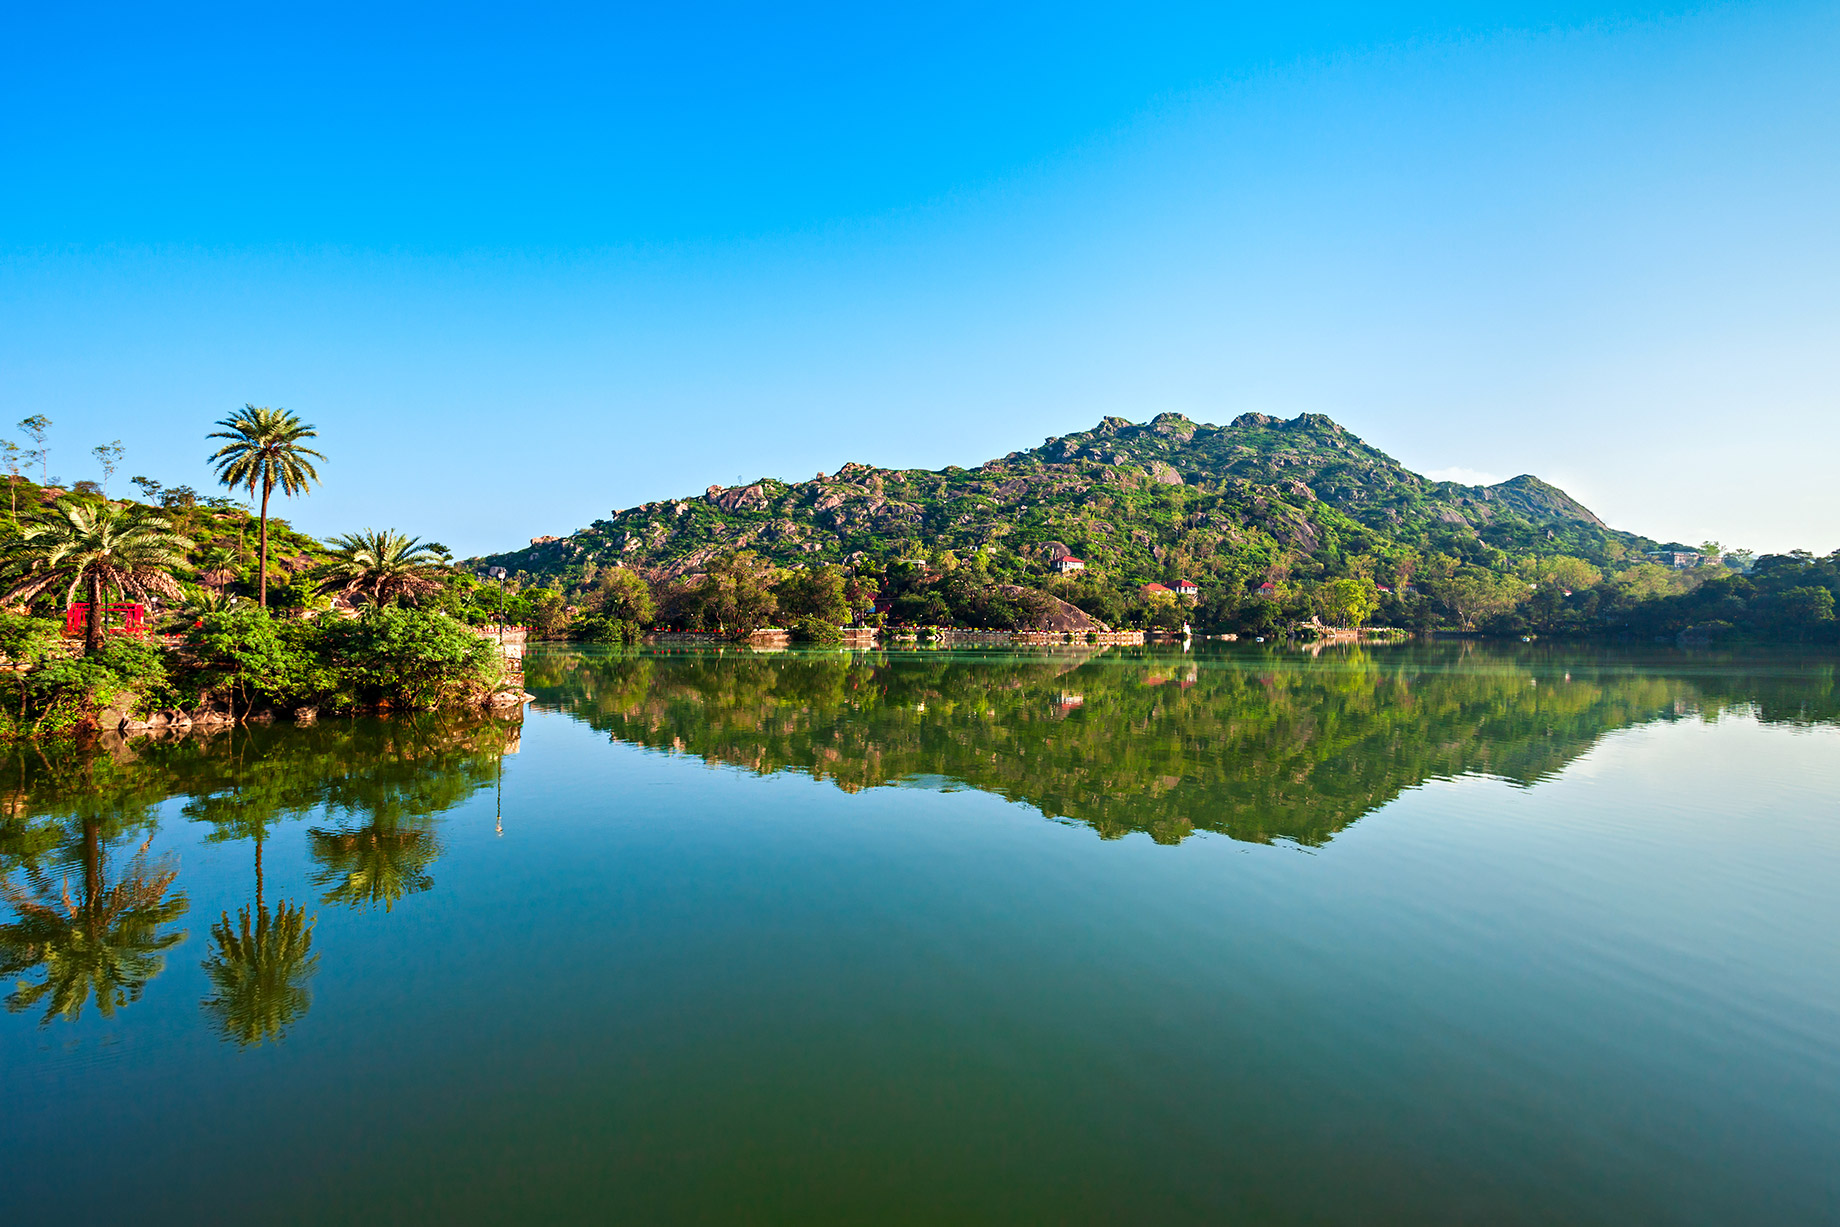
(1067, 565)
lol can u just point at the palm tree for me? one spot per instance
(219, 566)
(383, 567)
(96, 549)
(107, 941)
(265, 449)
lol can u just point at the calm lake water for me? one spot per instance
(1423, 933)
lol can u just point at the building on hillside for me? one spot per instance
(1267, 590)
(1183, 588)
(1067, 565)
(1680, 560)
(1154, 590)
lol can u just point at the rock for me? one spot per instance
(122, 708)
(306, 715)
(264, 716)
(506, 698)
(1164, 473)
(132, 727)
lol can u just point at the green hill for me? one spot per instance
(1168, 499)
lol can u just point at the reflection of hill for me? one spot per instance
(1255, 746)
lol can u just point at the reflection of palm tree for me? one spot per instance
(379, 863)
(259, 972)
(107, 941)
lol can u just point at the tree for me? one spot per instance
(219, 566)
(736, 594)
(108, 458)
(384, 568)
(623, 595)
(265, 449)
(815, 592)
(96, 549)
(1347, 602)
(35, 428)
(11, 458)
(1475, 595)
(150, 489)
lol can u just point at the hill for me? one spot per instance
(1172, 498)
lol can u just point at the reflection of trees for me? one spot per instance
(382, 782)
(258, 968)
(106, 940)
(1256, 745)
(375, 864)
(417, 771)
(259, 971)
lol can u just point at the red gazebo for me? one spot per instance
(132, 618)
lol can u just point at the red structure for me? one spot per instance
(132, 618)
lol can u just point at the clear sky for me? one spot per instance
(523, 264)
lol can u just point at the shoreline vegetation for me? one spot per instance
(1262, 528)
(179, 609)
(182, 609)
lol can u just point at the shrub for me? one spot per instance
(408, 657)
(817, 630)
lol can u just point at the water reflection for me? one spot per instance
(1255, 745)
(80, 929)
(86, 934)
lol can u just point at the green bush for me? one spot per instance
(407, 657)
(816, 630)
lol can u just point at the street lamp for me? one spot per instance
(498, 573)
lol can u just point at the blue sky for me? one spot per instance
(526, 264)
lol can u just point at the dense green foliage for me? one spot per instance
(245, 659)
(1279, 523)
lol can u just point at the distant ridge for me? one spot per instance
(1169, 498)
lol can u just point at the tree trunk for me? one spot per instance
(262, 578)
(92, 624)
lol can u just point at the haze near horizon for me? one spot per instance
(524, 269)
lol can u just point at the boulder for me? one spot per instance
(122, 708)
(306, 715)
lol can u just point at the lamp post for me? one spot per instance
(498, 573)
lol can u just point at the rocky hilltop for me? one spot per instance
(1137, 502)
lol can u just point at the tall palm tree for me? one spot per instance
(95, 549)
(266, 450)
(383, 567)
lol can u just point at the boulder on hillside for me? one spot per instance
(1060, 617)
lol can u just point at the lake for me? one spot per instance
(1430, 932)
